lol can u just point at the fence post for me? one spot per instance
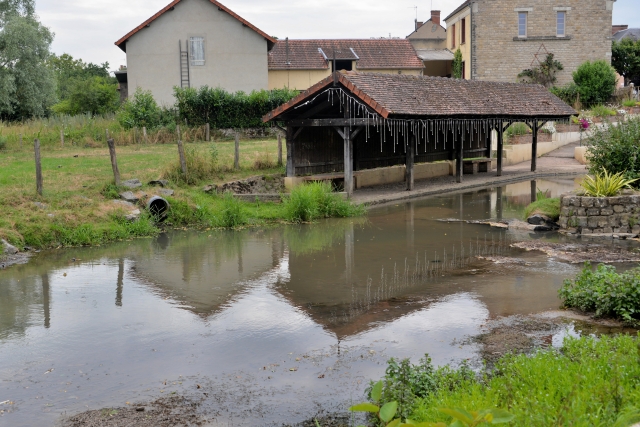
(144, 134)
(135, 135)
(20, 140)
(183, 160)
(107, 132)
(62, 138)
(279, 149)
(36, 147)
(207, 132)
(114, 161)
(236, 163)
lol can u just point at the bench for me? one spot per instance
(473, 166)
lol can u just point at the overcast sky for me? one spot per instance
(87, 29)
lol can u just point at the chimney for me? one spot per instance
(419, 24)
(435, 16)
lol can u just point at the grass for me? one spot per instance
(545, 206)
(629, 103)
(590, 382)
(316, 200)
(602, 111)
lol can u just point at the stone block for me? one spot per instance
(593, 212)
(600, 202)
(606, 211)
(587, 202)
(581, 211)
(586, 231)
(618, 208)
(592, 222)
(635, 229)
(614, 220)
(603, 221)
(565, 211)
(582, 221)
(571, 201)
(563, 221)
(614, 201)
(598, 231)
(607, 230)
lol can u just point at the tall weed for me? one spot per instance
(232, 214)
(316, 200)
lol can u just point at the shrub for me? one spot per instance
(517, 129)
(232, 213)
(315, 200)
(141, 110)
(94, 95)
(596, 82)
(629, 103)
(3, 142)
(616, 149)
(457, 65)
(605, 292)
(569, 93)
(544, 74)
(202, 164)
(224, 110)
(602, 111)
(605, 184)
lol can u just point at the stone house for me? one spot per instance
(430, 42)
(193, 43)
(299, 64)
(499, 39)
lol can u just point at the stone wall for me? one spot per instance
(499, 55)
(601, 215)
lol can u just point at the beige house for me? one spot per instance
(499, 39)
(193, 43)
(430, 42)
(299, 64)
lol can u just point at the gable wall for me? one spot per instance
(236, 56)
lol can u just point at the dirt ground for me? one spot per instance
(580, 252)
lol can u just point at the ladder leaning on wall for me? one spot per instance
(184, 65)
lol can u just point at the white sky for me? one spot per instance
(87, 29)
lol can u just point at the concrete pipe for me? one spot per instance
(158, 208)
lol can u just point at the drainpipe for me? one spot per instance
(471, 6)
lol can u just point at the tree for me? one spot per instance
(27, 86)
(69, 70)
(457, 65)
(625, 58)
(94, 95)
(544, 74)
(596, 82)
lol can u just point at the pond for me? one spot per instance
(275, 324)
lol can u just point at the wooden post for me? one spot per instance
(534, 191)
(114, 161)
(207, 132)
(135, 134)
(236, 161)
(534, 146)
(348, 162)
(20, 140)
(291, 170)
(144, 134)
(279, 149)
(409, 176)
(459, 159)
(36, 147)
(500, 148)
(499, 204)
(62, 138)
(183, 159)
(107, 133)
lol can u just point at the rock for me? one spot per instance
(210, 188)
(166, 192)
(133, 215)
(159, 183)
(124, 204)
(129, 197)
(8, 249)
(542, 221)
(132, 183)
(40, 205)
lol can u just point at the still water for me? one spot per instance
(276, 324)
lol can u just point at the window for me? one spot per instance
(522, 24)
(463, 31)
(196, 50)
(453, 36)
(561, 24)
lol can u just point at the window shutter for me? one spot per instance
(197, 50)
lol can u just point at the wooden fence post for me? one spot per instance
(62, 138)
(20, 140)
(107, 132)
(236, 163)
(207, 132)
(144, 134)
(279, 149)
(183, 160)
(114, 161)
(36, 147)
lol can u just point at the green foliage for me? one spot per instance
(457, 64)
(546, 206)
(232, 214)
(605, 292)
(224, 110)
(27, 86)
(625, 58)
(590, 382)
(95, 95)
(602, 111)
(605, 184)
(568, 93)
(3, 142)
(316, 200)
(110, 191)
(544, 74)
(517, 129)
(596, 82)
(202, 164)
(616, 149)
(629, 103)
(142, 110)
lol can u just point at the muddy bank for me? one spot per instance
(8, 260)
(577, 253)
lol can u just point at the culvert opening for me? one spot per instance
(158, 208)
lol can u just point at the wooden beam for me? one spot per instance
(356, 132)
(284, 130)
(339, 130)
(409, 175)
(295, 135)
(500, 150)
(348, 154)
(534, 148)
(329, 122)
(289, 141)
(459, 159)
(315, 110)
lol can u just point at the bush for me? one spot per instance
(602, 111)
(232, 214)
(3, 142)
(202, 164)
(629, 103)
(315, 200)
(517, 129)
(605, 292)
(95, 95)
(141, 110)
(596, 82)
(616, 149)
(569, 93)
(223, 110)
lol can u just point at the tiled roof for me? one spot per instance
(631, 33)
(437, 97)
(458, 9)
(435, 54)
(369, 54)
(122, 42)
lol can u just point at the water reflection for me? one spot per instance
(130, 315)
